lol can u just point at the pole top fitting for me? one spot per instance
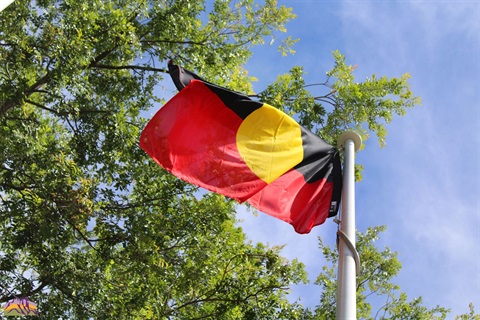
(349, 135)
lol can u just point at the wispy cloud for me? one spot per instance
(433, 151)
(425, 185)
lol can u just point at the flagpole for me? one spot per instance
(348, 261)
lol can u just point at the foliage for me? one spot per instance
(378, 268)
(469, 316)
(92, 228)
(345, 104)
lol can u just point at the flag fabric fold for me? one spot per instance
(225, 142)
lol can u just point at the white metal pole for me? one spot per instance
(346, 291)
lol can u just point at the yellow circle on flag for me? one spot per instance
(270, 142)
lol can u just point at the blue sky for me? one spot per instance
(425, 184)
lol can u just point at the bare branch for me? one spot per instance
(23, 294)
(130, 67)
(41, 106)
(198, 43)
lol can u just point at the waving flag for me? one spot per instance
(249, 151)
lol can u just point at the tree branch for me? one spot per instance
(23, 294)
(216, 299)
(100, 57)
(130, 67)
(84, 237)
(9, 104)
(41, 106)
(199, 43)
(14, 187)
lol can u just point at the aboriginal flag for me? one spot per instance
(225, 142)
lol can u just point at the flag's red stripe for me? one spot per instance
(194, 137)
(291, 199)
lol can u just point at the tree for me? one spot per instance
(90, 226)
(469, 316)
(375, 280)
(374, 284)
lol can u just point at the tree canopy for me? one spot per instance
(90, 226)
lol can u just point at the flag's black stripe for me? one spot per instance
(320, 160)
(239, 103)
